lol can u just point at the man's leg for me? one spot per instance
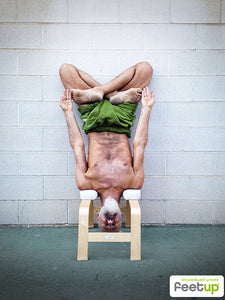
(77, 80)
(85, 89)
(141, 77)
(72, 78)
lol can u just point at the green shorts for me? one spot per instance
(103, 116)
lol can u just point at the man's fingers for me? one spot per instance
(61, 101)
(69, 94)
(144, 92)
(64, 93)
(152, 94)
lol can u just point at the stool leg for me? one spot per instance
(127, 213)
(135, 246)
(82, 251)
(91, 215)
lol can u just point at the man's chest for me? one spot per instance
(110, 173)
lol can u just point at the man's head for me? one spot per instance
(110, 217)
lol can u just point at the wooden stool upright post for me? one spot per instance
(86, 220)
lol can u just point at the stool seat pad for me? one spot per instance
(88, 194)
(127, 194)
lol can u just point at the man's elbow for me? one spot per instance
(140, 143)
(78, 147)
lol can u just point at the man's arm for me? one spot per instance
(141, 136)
(76, 140)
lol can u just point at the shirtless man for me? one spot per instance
(110, 168)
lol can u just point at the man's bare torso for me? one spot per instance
(109, 162)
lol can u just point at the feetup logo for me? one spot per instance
(196, 286)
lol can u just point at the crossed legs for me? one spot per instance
(124, 88)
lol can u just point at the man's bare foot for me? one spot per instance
(87, 96)
(132, 95)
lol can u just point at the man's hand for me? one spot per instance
(66, 102)
(147, 100)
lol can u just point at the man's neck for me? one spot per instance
(112, 193)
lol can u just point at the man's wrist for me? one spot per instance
(68, 112)
(147, 108)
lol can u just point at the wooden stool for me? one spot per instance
(86, 220)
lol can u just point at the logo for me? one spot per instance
(196, 286)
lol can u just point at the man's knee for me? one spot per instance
(145, 67)
(65, 68)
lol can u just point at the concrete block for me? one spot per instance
(9, 212)
(20, 36)
(8, 62)
(52, 88)
(208, 139)
(180, 114)
(42, 11)
(144, 11)
(161, 188)
(41, 114)
(21, 139)
(173, 88)
(222, 63)
(73, 211)
(43, 163)
(193, 63)
(220, 111)
(71, 164)
(159, 62)
(68, 36)
(207, 188)
(223, 11)
(196, 114)
(41, 62)
(189, 212)
(121, 37)
(190, 163)
(210, 37)
(95, 11)
(195, 11)
(8, 113)
(56, 139)
(219, 212)
(209, 88)
(57, 187)
(8, 164)
(220, 163)
(169, 139)
(158, 115)
(21, 88)
(152, 212)
(43, 212)
(154, 163)
(96, 63)
(174, 36)
(8, 11)
(127, 59)
(21, 188)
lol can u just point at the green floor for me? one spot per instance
(39, 263)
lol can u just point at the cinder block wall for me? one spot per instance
(184, 40)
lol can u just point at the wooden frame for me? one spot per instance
(86, 220)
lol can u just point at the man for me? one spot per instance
(110, 168)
